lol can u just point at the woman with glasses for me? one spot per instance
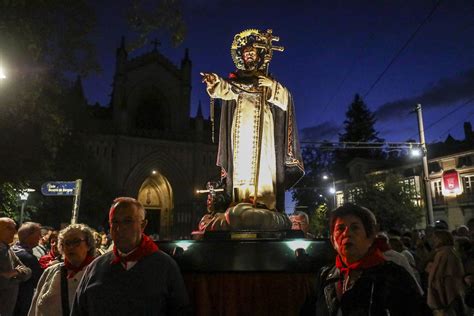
(57, 286)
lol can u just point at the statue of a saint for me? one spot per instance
(246, 154)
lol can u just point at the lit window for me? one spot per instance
(468, 182)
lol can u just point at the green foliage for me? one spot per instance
(8, 200)
(48, 34)
(318, 221)
(10, 203)
(42, 43)
(391, 203)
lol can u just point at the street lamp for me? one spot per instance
(23, 198)
(2, 73)
(415, 152)
(332, 189)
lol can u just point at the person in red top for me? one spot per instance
(362, 282)
(136, 278)
(53, 256)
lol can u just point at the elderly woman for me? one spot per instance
(445, 277)
(362, 282)
(57, 286)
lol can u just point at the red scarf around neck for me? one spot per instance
(73, 270)
(373, 258)
(146, 248)
(46, 260)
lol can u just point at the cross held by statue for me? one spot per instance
(267, 45)
(210, 191)
(211, 195)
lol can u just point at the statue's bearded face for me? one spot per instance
(250, 57)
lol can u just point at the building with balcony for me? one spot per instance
(451, 175)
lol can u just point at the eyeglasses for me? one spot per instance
(125, 222)
(73, 242)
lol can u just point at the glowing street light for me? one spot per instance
(332, 189)
(415, 152)
(23, 198)
(2, 73)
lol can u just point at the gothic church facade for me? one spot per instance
(147, 144)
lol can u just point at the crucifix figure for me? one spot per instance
(258, 145)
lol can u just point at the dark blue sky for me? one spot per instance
(333, 49)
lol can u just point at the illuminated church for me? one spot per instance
(147, 143)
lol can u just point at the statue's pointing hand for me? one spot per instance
(264, 81)
(208, 78)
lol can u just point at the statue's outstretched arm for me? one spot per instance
(217, 87)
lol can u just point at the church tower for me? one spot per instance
(151, 95)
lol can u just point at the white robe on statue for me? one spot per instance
(245, 127)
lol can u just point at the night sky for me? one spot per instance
(333, 50)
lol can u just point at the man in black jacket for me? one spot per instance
(12, 271)
(29, 234)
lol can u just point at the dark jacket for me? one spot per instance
(154, 286)
(9, 287)
(27, 289)
(386, 289)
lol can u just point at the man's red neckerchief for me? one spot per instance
(73, 270)
(146, 248)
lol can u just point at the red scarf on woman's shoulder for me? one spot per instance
(72, 270)
(373, 258)
(146, 248)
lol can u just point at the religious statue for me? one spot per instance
(259, 152)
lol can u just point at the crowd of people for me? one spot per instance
(420, 272)
(78, 271)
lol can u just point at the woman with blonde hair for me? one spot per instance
(57, 286)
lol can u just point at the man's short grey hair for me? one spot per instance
(126, 202)
(83, 228)
(27, 229)
(300, 213)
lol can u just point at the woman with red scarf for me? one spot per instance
(53, 256)
(58, 284)
(362, 282)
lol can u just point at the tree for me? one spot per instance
(311, 191)
(318, 221)
(391, 202)
(358, 127)
(43, 43)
